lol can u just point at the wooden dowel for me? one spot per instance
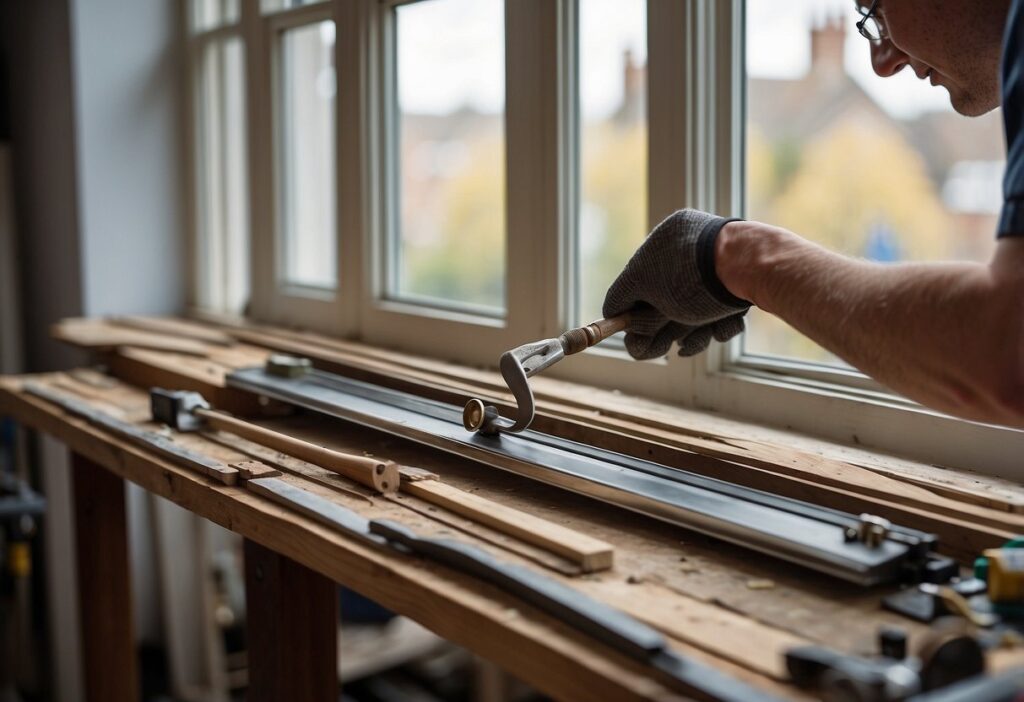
(382, 476)
(588, 553)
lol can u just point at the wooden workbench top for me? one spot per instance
(717, 602)
(711, 598)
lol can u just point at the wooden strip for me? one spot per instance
(251, 470)
(97, 335)
(147, 369)
(174, 326)
(955, 489)
(382, 476)
(411, 474)
(481, 532)
(589, 553)
(736, 637)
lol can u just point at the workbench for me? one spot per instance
(717, 603)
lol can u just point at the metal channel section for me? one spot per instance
(796, 531)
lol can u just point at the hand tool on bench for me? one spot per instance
(528, 360)
(948, 654)
(187, 411)
(210, 467)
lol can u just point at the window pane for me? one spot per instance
(612, 211)
(449, 238)
(877, 168)
(307, 172)
(210, 14)
(223, 226)
(268, 6)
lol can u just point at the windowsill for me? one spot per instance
(643, 418)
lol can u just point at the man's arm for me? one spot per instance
(948, 335)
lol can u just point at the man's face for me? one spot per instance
(953, 43)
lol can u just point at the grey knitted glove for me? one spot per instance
(672, 291)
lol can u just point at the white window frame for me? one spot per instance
(695, 131)
(200, 282)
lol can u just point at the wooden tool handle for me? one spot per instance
(576, 340)
(603, 328)
(381, 476)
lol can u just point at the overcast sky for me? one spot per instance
(451, 53)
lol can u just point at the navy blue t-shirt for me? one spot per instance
(1011, 221)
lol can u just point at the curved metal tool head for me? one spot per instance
(516, 366)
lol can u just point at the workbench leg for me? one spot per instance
(291, 629)
(104, 584)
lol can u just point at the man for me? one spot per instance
(948, 335)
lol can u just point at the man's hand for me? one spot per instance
(672, 292)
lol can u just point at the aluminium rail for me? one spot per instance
(800, 532)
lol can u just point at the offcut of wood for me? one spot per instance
(588, 553)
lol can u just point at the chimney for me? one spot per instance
(634, 90)
(828, 40)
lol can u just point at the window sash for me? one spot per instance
(695, 130)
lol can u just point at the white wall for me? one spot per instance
(126, 68)
(95, 123)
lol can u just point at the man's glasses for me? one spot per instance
(869, 26)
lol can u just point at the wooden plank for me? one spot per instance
(147, 369)
(104, 585)
(251, 470)
(985, 493)
(736, 638)
(174, 326)
(98, 335)
(589, 553)
(291, 629)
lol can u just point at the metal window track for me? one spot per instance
(800, 532)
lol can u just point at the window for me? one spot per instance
(458, 177)
(307, 192)
(448, 215)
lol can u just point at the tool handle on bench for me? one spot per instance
(580, 338)
(373, 473)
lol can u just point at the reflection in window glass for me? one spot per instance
(450, 231)
(307, 172)
(210, 14)
(878, 168)
(223, 236)
(612, 214)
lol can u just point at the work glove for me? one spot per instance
(672, 292)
